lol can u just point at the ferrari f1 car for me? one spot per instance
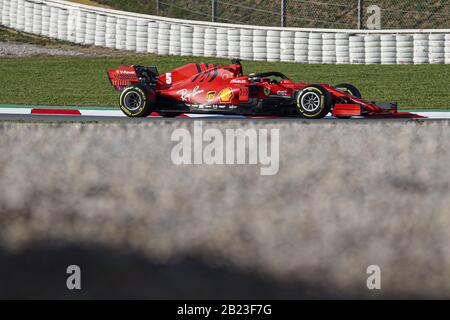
(208, 88)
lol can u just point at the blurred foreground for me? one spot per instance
(108, 198)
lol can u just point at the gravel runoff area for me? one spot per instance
(54, 48)
(17, 49)
(108, 198)
(19, 44)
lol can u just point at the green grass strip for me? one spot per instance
(82, 81)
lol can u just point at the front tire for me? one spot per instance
(136, 101)
(350, 89)
(313, 102)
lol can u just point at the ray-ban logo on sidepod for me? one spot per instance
(214, 146)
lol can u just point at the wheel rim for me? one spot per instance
(310, 101)
(132, 101)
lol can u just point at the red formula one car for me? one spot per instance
(208, 88)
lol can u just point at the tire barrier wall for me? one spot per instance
(89, 25)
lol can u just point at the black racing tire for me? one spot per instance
(350, 89)
(135, 102)
(313, 102)
(167, 114)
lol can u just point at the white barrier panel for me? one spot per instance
(142, 36)
(72, 25)
(1, 11)
(437, 48)
(246, 44)
(186, 44)
(13, 14)
(163, 38)
(301, 47)
(100, 28)
(46, 12)
(63, 16)
(5, 13)
(121, 33)
(287, 44)
(37, 18)
(20, 14)
(259, 45)
(315, 48)
(222, 43)
(91, 19)
(90, 25)
(342, 48)
(28, 23)
(110, 33)
(421, 53)
(405, 49)
(152, 42)
(273, 45)
(233, 43)
(388, 49)
(210, 42)
(53, 28)
(328, 48)
(175, 40)
(80, 29)
(198, 41)
(130, 41)
(447, 48)
(372, 49)
(357, 50)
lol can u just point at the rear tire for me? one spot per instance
(136, 101)
(313, 102)
(350, 89)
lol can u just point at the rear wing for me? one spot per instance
(124, 76)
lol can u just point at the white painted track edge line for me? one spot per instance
(15, 110)
(102, 113)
